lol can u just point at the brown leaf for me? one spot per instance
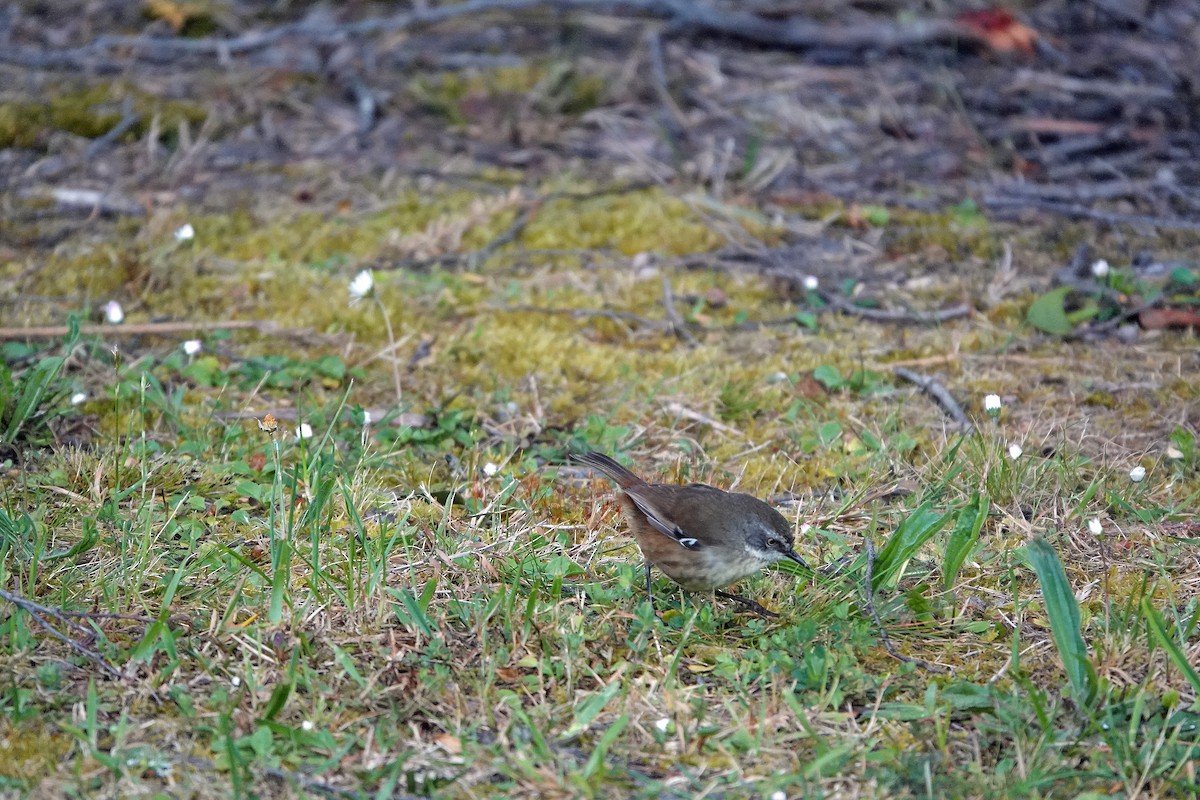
(451, 744)
(1153, 319)
(999, 29)
(810, 388)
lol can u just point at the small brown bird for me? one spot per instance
(703, 538)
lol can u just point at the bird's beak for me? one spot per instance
(794, 556)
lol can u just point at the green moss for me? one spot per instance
(649, 221)
(90, 112)
(30, 751)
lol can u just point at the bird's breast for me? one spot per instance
(710, 568)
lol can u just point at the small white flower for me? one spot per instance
(362, 284)
(79, 398)
(811, 283)
(777, 377)
(1137, 474)
(1095, 527)
(1014, 451)
(991, 404)
(805, 528)
(490, 469)
(192, 346)
(1100, 268)
(304, 431)
(366, 418)
(662, 724)
(114, 313)
(235, 681)
(307, 725)
(185, 233)
(779, 795)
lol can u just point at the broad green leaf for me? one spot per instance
(1048, 313)
(963, 537)
(1063, 611)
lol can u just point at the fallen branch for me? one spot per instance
(377, 416)
(38, 613)
(139, 329)
(586, 313)
(1000, 204)
(939, 393)
(680, 16)
(905, 317)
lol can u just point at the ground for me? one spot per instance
(302, 521)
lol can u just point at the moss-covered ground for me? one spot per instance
(432, 602)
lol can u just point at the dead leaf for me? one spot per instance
(810, 388)
(451, 744)
(1153, 319)
(999, 30)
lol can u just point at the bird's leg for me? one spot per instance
(750, 604)
(649, 589)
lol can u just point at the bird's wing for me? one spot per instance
(661, 522)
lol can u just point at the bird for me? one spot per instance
(701, 537)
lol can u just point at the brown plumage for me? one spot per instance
(701, 537)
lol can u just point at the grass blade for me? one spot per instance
(1063, 611)
(914, 532)
(1158, 630)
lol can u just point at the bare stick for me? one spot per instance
(138, 329)
(585, 313)
(887, 642)
(939, 393)
(883, 315)
(1002, 204)
(673, 117)
(39, 612)
(677, 324)
(681, 16)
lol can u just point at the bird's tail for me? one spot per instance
(612, 469)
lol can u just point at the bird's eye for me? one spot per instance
(773, 543)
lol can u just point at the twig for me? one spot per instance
(673, 117)
(939, 393)
(883, 634)
(584, 313)
(1001, 204)
(678, 326)
(884, 315)
(507, 236)
(696, 416)
(1079, 193)
(129, 118)
(681, 16)
(378, 415)
(93, 201)
(36, 612)
(139, 329)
